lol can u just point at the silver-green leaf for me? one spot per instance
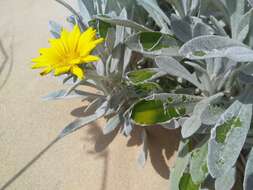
(228, 137)
(248, 176)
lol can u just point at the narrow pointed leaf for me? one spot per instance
(123, 22)
(142, 75)
(156, 13)
(193, 123)
(198, 164)
(186, 183)
(173, 67)
(142, 158)
(248, 176)
(78, 123)
(112, 124)
(61, 94)
(182, 161)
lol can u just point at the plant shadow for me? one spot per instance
(95, 135)
(162, 144)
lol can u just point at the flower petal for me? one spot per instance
(98, 41)
(61, 70)
(74, 38)
(40, 65)
(65, 39)
(77, 71)
(58, 46)
(88, 35)
(90, 58)
(66, 52)
(46, 71)
(88, 47)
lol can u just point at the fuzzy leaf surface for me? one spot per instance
(198, 164)
(228, 137)
(248, 176)
(153, 44)
(180, 165)
(211, 46)
(173, 67)
(193, 123)
(226, 181)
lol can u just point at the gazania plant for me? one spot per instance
(179, 64)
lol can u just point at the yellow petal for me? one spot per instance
(90, 58)
(77, 71)
(66, 52)
(74, 38)
(45, 60)
(40, 65)
(58, 46)
(65, 40)
(87, 49)
(49, 52)
(88, 36)
(98, 41)
(75, 61)
(46, 71)
(61, 70)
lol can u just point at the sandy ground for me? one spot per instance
(27, 124)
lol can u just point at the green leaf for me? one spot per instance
(228, 137)
(219, 30)
(236, 9)
(248, 176)
(172, 67)
(142, 158)
(112, 124)
(186, 183)
(180, 165)
(103, 28)
(162, 108)
(85, 6)
(211, 115)
(153, 43)
(193, 123)
(226, 181)
(178, 5)
(243, 26)
(87, 9)
(182, 28)
(149, 40)
(78, 123)
(198, 164)
(222, 130)
(123, 22)
(152, 112)
(62, 94)
(56, 29)
(211, 46)
(156, 13)
(142, 75)
(147, 88)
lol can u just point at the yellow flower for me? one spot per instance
(68, 52)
